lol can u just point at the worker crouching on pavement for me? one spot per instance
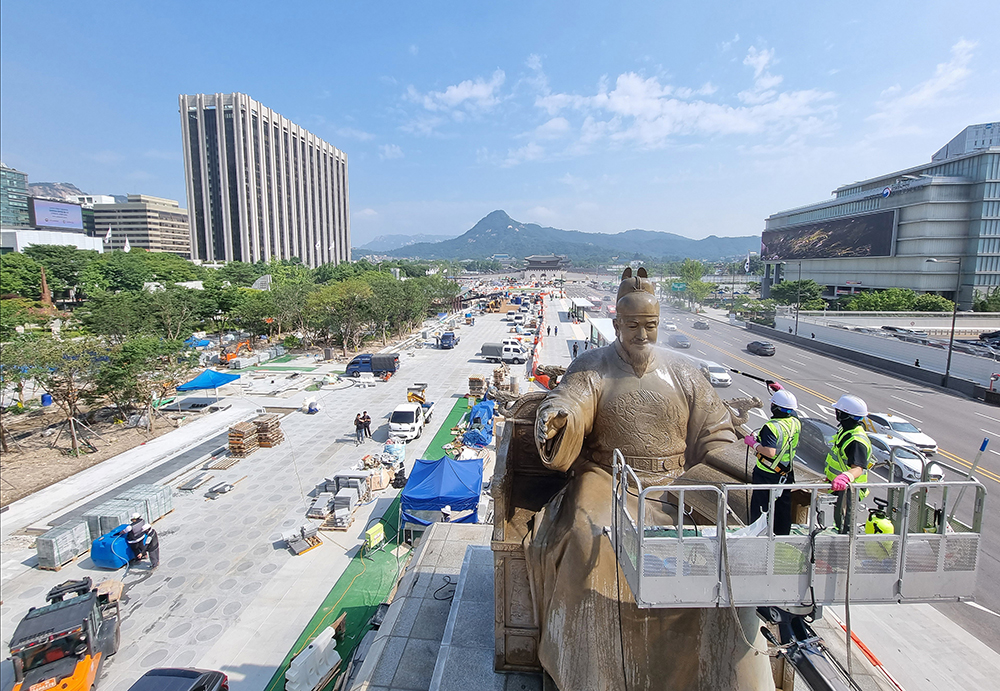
(850, 454)
(142, 538)
(775, 445)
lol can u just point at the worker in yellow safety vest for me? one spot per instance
(850, 454)
(774, 445)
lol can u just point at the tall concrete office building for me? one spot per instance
(149, 223)
(259, 186)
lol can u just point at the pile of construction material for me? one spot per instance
(344, 504)
(321, 506)
(269, 432)
(477, 387)
(303, 539)
(62, 545)
(243, 439)
(501, 377)
(65, 542)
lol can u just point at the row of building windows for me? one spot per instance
(983, 167)
(856, 207)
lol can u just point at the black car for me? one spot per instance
(761, 348)
(700, 325)
(179, 679)
(679, 341)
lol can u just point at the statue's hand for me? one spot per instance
(549, 423)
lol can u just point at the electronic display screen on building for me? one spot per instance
(858, 236)
(49, 214)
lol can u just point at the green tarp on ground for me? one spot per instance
(366, 582)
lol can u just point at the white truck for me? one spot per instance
(408, 419)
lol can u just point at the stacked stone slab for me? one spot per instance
(159, 499)
(62, 544)
(104, 518)
(269, 432)
(243, 439)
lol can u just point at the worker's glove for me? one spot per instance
(750, 440)
(774, 386)
(842, 481)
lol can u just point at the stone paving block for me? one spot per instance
(391, 654)
(416, 665)
(519, 682)
(474, 625)
(468, 668)
(431, 619)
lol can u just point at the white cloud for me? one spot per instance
(541, 213)
(389, 151)
(758, 59)
(764, 82)
(553, 129)
(726, 45)
(414, 49)
(895, 108)
(534, 62)
(354, 133)
(366, 213)
(529, 152)
(472, 94)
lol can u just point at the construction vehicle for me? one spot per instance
(64, 643)
(408, 419)
(493, 306)
(231, 352)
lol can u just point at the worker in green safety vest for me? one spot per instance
(774, 445)
(850, 454)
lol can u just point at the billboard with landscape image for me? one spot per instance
(858, 236)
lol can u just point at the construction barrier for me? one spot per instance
(314, 664)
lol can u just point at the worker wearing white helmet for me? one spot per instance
(142, 538)
(775, 445)
(850, 454)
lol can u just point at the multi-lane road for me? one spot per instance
(957, 423)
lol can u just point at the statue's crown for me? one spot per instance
(635, 284)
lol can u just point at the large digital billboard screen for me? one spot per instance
(858, 236)
(49, 214)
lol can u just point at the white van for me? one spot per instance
(514, 354)
(518, 318)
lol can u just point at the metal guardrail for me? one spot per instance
(691, 564)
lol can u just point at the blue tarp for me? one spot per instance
(432, 485)
(209, 379)
(483, 411)
(197, 342)
(478, 437)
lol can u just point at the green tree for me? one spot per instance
(15, 312)
(20, 275)
(791, 292)
(117, 271)
(173, 312)
(63, 263)
(15, 373)
(238, 274)
(386, 302)
(990, 302)
(690, 270)
(142, 370)
(929, 302)
(118, 316)
(166, 268)
(68, 370)
(699, 290)
(891, 300)
(255, 312)
(342, 311)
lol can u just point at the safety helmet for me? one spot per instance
(852, 405)
(137, 517)
(784, 399)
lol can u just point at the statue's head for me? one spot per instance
(637, 318)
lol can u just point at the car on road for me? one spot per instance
(815, 439)
(180, 679)
(668, 326)
(901, 428)
(716, 374)
(677, 340)
(700, 325)
(760, 348)
(908, 460)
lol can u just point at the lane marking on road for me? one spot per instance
(984, 609)
(744, 392)
(906, 401)
(988, 417)
(825, 410)
(996, 452)
(844, 369)
(834, 386)
(992, 434)
(701, 351)
(758, 411)
(799, 362)
(906, 415)
(790, 369)
(837, 376)
(981, 472)
(811, 413)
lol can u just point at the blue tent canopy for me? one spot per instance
(483, 411)
(197, 342)
(444, 482)
(209, 379)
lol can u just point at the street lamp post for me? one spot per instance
(798, 299)
(954, 312)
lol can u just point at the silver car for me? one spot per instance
(908, 460)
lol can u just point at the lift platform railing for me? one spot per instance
(683, 546)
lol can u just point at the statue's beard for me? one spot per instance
(639, 356)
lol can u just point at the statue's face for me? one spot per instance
(637, 325)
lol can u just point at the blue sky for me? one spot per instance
(581, 115)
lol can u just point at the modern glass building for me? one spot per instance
(879, 233)
(13, 198)
(259, 186)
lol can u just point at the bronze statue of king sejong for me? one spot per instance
(665, 418)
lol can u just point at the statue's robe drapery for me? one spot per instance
(663, 422)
